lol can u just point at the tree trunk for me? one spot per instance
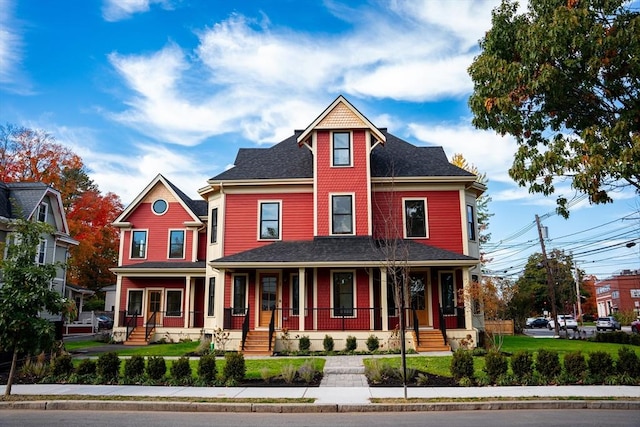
(14, 362)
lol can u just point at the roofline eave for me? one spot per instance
(341, 264)
(158, 271)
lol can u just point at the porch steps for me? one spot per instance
(257, 344)
(431, 340)
(137, 337)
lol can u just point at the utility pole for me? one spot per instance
(550, 285)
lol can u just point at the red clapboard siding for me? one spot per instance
(157, 227)
(342, 180)
(241, 220)
(443, 209)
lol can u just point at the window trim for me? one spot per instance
(41, 254)
(184, 243)
(233, 294)
(41, 213)
(166, 208)
(293, 300)
(166, 303)
(146, 243)
(445, 309)
(353, 214)
(266, 202)
(211, 301)
(129, 292)
(471, 223)
(214, 226)
(404, 217)
(355, 293)
(350, 148)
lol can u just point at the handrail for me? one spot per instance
(416, 326)
(151, 325)
(131, 323)
(272, 326)
(245, 327)
(443, 326)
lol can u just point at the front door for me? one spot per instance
(154, 304)
(419, 299)
(268, 297)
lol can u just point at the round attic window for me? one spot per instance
(159, 207)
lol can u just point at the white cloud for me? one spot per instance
(116, 10)
(12, 77)
(263, 81)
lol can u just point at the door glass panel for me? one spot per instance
(417, 293)
(268, 293)
(154, 301)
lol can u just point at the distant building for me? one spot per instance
(35, 201)
(620, 292)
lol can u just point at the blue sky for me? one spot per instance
(141, 87)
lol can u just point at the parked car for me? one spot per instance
(607, 322)
(565, 322)
(539, 322)
(635, 326)
(104, 322)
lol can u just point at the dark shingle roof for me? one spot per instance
(287, 160)
(25, 195)
(337, 249)
(198, 207)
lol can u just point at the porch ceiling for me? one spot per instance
(343, 251)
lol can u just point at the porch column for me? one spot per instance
(302, 297)
(220, 291)
(466, 283)
(383, 299)
(187, 302)
(118, 306)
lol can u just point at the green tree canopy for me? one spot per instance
(564, 80)
(25, 293)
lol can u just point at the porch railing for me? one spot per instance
(245, 327)
(151, 325)
(416, 326)
(272, 326)
(130, 322)
(443, 325)
(164, 319)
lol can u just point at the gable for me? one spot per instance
(341, 117)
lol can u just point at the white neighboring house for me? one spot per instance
(36, 201)
(109, 298)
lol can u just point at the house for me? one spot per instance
(36, 201)
(306, 237)
(619, 293)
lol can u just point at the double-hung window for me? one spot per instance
(343, 293)
(341, 149)
(342, 214)
(138, 244)
(42, 212)
(415, 218)
(176, 244)
(214, 225)
(41, 256)
(239, 294)
(295, 295)
(471, 223)
(270, 220)
(212, 296)
(134, 305)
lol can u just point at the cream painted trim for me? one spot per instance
(430, 297)
(372, 312)
(413, 186)
(354, 220)
(459, 180)
(302, 298)
(463, 220)
(384, 301)
(342, 264)
(367, 137)
(315, 297)
(195, 242)
(146, 243)
(307, 188)
(314, 151)
(218, 309)
(258, 285)
(184, 242)
(129, 271)
(183, 309)
(355, 292)
(404, 217)
(261, 182)
(259, 225)
(331, 149)
(116, 315)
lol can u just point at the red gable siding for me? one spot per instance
(342, 180)
(241, 219)
(157, 226)
(443, 210)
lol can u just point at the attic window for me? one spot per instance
(159, 207)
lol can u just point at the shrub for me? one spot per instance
(575, 366)
(373, 343)
(307, 371)
(304, 344)
(156, 368)
(522, 365)
(496, 365)
(108, 367)
(181, 370)
(207, 369)
(288, 373)
(234, 369)
(628, 363)
(327, 343)
(352, 343)
(462, 364)
(86, 367)
(204, 347)
(134, 367)
(61, 365)
(548, 364)
(600, 366)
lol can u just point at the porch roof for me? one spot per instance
(162, 268)
(343, 251)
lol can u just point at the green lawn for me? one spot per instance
(81, 345)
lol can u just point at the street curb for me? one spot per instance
(83, 405)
